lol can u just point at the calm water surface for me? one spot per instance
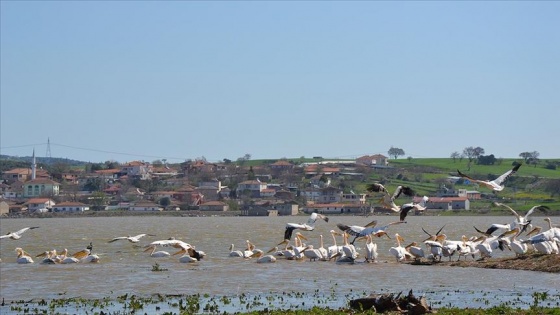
(125, 268)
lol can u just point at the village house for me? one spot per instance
(145, 206)
(40, 187)
(11, 191)
(214, 206)
(378, 160)
(337, 208)
(137, 169)
(446, 203)
(70, 206)
(252, 188)
(38, 205)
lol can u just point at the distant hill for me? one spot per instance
(7, 159)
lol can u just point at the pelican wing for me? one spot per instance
(376, 187)
(539, 207)
(118, 238)
(507, 207)
(405, 209)
(502, 178)
(403, 190)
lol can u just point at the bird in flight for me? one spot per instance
(132, 239)
(496, 184)
(388, 200)
(17, 235)
(308, 226)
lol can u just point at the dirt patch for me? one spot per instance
(532, 262)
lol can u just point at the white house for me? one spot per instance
(69, 206)
(145, 206)
(39, 205)
(253, 187)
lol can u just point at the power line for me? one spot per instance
(119, 153)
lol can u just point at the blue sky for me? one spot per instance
(176, 80)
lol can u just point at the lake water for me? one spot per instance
(125, 269)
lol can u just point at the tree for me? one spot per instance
(530, 157)
(165, 201)
(486, 159)
(455, 155)
(98, 200)
(473, 153)
(395, 152)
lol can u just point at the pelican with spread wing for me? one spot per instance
(307, 226)
(388, 200)
(495, 184)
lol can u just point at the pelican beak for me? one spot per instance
(400, 238)
(272, 250)
(149, 248)
(284, 242)
(300, 236)
(81, 254)
(535, 230)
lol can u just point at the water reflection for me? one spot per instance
(125, 268)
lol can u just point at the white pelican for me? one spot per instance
(308, 226)
(545, 242)
(398, 251)
(349, 253)
(153, 253)
(262, 258)
(333, 249)
(234, 253)
(189, 253)
(518, 247)
(487, 244)
(388, 200)
(132, 239)
(416, 251)
(250, 250)
(316, 253)
(360, 231)
(48, 258)
(371, 249)
(496, 184)
(522, 221)
(299, 247)
(420, 206)
(435, 249)
(23, 257)
(190, 256)
(17, 235)
(434, 237)
(85, 255)
(288, 251)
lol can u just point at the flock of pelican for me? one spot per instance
(435, 246)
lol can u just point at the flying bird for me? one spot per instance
(132, 239)
(370, 229)
(308, 226)
(388, 200)
(413, 205)
(17, 235)
(496, 184)
(522, 221)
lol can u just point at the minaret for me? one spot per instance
(33, 167)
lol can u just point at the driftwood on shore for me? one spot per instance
(381, 303)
